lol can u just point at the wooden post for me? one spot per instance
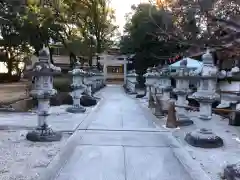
(171, 119)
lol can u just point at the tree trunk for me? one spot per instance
(72, 58)
(98, 45)
(50, 53)
(90, 55)
(9, 65)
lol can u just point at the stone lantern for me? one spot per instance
(151, 78)
(78, 88)
(182, 90)
(132, 82)
(98, 76)
(94, 79)
(165, 86)
(43, 72)
(206, 93)
(88, 81)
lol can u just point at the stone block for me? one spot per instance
(88, 101)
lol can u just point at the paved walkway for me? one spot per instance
(122, 143)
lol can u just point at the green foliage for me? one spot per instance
(82, 26)
(62, 84)
(144, 40)
(155, 33)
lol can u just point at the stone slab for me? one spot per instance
(59, 120)
(151, 163)
(119, 152)
(94, 163)
(124, 138)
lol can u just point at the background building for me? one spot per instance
(114, 65)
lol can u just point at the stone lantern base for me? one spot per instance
(88, 101)
(76, 110)
(203, 138)
(204, 117)
(43, 134)
(232, 172)
(184, 120)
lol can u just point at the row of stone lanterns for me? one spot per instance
(43, 72)
(205, 95)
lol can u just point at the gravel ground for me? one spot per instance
(24, 160)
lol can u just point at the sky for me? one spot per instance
(121, 8)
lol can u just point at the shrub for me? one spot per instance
(4, 77)
(62, 83)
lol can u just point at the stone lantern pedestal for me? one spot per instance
(182, 90)
(43, 72)
(206, 95)
(78, 88)
(204, 138)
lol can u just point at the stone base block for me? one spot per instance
(132, 93)
(205, 117)
(183, 120)
(97, 98)
(76, 109)
(203, 138)
(140, 95)
(88, 101)
(232, 172)
(46, 135)
(234, 119)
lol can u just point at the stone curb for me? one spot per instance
(59, 161)
(192, 167)
(148, 112)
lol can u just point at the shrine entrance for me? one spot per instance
(115, 74)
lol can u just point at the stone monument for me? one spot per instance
(43, 72)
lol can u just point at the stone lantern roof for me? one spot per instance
(132, 73)
(207, 58)
(151, 72)
(43, 67)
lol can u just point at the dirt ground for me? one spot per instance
(12, 91)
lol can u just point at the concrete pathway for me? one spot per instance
(120, 142)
